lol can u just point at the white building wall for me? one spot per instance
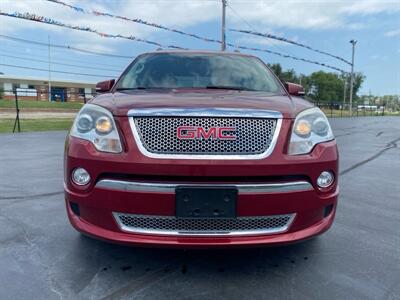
(8, 87)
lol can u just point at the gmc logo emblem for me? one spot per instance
(198, 133)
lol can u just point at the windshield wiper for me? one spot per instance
(131, 88)
(216, 87)
(226, 87)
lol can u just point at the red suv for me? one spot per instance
(200, 149)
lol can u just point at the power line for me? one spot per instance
(252, 27)
(61, 46)
(58, 63)
(282, 39)
(81, 62)
(41, 19)
(57, 71)
(275, 52)
(46, 20)
(140, 21)
(287, 56)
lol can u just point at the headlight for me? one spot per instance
(96, 124)
(311, 127)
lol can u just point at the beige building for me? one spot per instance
(34, 88)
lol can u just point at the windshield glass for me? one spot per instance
(193, 70)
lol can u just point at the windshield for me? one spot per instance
(192, 70)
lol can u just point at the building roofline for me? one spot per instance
(31, 78)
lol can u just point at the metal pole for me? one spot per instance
(223, 44)
(17, 110)
(344, 90)
(353, 42)
(48, 37)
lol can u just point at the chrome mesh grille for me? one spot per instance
(159, 135)
(173, 225)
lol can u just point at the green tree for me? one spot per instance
(285, 76)
(1, 93)
(321, 86)
(276, 68)
(325, 87)
(358, 81)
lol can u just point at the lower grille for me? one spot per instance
(169, 225)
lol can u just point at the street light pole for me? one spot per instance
(344, 89)
(353, 42)
(223, 42)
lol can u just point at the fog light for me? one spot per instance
(80, 176)
(325, 179)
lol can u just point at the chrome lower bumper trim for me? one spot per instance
(171, 226)
(124, 185)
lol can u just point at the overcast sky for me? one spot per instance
(325, 25)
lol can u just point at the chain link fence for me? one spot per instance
(338, 110)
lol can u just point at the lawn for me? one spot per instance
(6, 125)
(40, 104)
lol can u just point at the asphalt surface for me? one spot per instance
(42, 257)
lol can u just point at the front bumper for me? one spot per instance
(131, 183)
(97, 216)
(119, 237)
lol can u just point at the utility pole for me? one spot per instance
(48, 38)
(344, 89)
(353, 42)
(223, 44)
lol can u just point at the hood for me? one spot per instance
(120, 103)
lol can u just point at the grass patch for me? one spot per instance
(6, 125)
(40, 104)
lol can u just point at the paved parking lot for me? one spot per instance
(42, 257)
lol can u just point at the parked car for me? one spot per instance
(200, 149)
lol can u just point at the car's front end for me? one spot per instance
(200, 168)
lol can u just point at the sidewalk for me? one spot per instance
(23, 114)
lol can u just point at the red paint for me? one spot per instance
(97, 204)
(105, 86)
(294, 89)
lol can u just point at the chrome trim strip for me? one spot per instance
(211, 233)
(204, 112)
(123, 185)
(144, 151)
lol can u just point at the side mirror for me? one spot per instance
(105, 86)
(294, 89)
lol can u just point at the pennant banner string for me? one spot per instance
(287, 56)
(41, 19)
(139, 21)
(46, 20)
(282, 39)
